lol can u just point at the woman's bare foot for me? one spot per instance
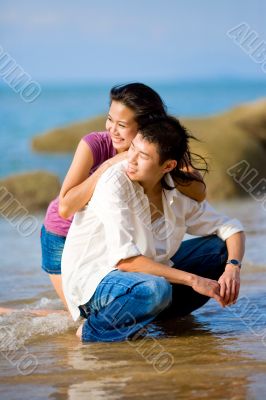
(44, 312)
(79, 331)
(5, 310)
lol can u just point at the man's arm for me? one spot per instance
(204, 286)
(201, 220)
(230, 279)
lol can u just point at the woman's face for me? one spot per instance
(144, 163)
(121, 125)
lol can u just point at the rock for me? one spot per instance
(237, 136)
(252, 119)
(30, 191)
(66, 139)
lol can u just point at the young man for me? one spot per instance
(124, 264)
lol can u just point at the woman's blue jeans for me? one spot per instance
(124, 302)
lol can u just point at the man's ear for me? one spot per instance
(169, 165)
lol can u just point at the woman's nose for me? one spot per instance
(112, 128)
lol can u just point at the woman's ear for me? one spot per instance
(169, 165)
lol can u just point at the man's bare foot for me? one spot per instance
(79, 331)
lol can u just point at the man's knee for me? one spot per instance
(156, 294)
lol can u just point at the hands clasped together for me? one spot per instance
(225, 291)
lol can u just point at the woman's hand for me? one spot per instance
(114, 160)
(195, 189)
(208, 287)
(230, 284)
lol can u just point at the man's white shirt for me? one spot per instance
(116, 224)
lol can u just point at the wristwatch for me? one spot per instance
(235, 262)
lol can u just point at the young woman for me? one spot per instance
(132, 107)
(123, 262)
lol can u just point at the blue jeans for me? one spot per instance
(124, 302)
(52, 246)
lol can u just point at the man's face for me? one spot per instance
(143, 162)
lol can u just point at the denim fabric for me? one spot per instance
(204, 256)
(52, 246)
(124, 302)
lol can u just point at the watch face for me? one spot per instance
(234, 262)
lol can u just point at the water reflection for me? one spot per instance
(203, 367)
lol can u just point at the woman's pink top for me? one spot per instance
(102, 149)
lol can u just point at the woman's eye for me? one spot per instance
(122, 126)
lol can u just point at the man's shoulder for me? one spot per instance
(114, 181)
(114, 173)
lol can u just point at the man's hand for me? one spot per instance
(230, 284)
(208, 287)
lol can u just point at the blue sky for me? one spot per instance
(106, 40)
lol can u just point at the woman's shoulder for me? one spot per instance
(101, 146)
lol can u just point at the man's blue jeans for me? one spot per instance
(124, 302)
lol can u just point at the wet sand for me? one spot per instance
(213, 354)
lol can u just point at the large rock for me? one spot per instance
(30, 191)
(66, 139)
(235, 137)
(238, 135)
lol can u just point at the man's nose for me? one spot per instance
(132, 157)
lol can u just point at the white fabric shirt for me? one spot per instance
(116, 224)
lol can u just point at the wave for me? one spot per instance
(21, 326)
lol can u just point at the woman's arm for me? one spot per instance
(195, 190)
(204, 286)
(78, 186)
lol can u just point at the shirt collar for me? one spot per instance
(170, 194)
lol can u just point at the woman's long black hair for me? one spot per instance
(146, 104)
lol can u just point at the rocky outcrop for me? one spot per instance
(30, 192)
(65, 139)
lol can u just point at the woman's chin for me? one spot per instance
(119, 147)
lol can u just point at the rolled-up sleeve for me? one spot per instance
(202, 220)
(112, 202)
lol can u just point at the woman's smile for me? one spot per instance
(117, 139)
